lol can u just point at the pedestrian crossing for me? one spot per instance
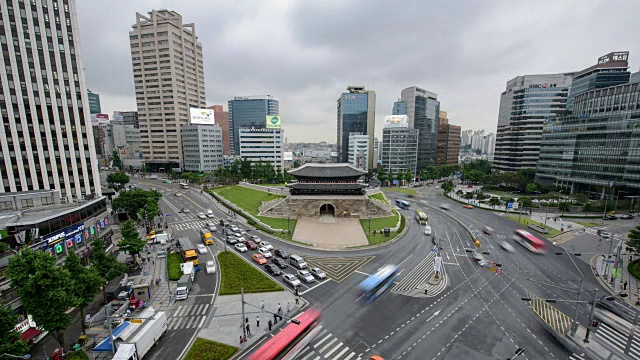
(619, 340)
(594, 231)
(326, 346)
(195, 224)
(188, 317)
(416, 282)
(577, 357)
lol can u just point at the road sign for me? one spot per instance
(434, 250)
(169, 215)
(437, 263)
(498, 271)
(610, 261)
(510, 205)
(492, 269)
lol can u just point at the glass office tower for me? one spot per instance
(356, 114)
(250, 112)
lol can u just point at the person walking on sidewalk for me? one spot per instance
(248, 329)
(297, 299)
(257, 321)
(625, 285)
(262, 304)
(270, 325)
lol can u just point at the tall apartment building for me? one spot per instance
(399, 146)
(423, 110)
(222, 119)
(489, 144)
(129, 117)
(261, 145)
(202, 147)
(94, 102)
(358, 150)
(169, 79)
(249, 112)
(448, 146)
(356, 114)
(46, 131)
(377, 152)
(526, 104)
(465, 137)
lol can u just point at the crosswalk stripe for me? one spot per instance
(340, 353)
(178, 324)
(175, 314)
(321, 341)
(576, 357)
(204, 311)
(333, 350)
(202, 322)
(328, 345)
(350, 356)
(308, 355)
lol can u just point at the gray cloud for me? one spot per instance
(305, 53)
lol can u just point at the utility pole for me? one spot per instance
(593, 309)
(574, 327)
(109, 319)
(244, 326)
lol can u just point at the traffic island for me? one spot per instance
(203, 349)
(236, 273)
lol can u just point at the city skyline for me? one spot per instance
(306, 63)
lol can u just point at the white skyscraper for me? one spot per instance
(169, 79)
(47, 138)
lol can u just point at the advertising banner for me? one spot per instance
(274, 122)
(201, 116)
(287, 156)
(396, 121)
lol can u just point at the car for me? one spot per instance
(488, 230)
(444, 206)
(507, 246)
(259, 259)
(305, 276)
(610, 217)
(626, 216)
(263, 244)
(291, 280)
(239, 236)
(210, 213)
(234, 228)
(202, 249)
(266, 253)
(605, 235)
(479, 258)
(467, 206)
(255, 238)
(210, 267)
(272, 269)
(317, 272)
(428, 231)
(213, 228)
(281, 254)
(184, 211)
(178, 194)
(241, 247)
(279, 263)
(232, 239)
(202, 215)
(251, 245)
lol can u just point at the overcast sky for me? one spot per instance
(305, 53)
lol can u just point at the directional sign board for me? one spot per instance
(437, 263)
(510, 205)
(434, 250)
(492, 269)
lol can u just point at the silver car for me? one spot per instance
(317, 272)
(305, 276)
(291, 280)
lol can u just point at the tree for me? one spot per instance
(10, 342)
(468, 195)
(85, 282)
(483, 166)
(527, 203)
(246, 170)
(390, 175)
(531, 188)
(382, 177)
(408, 176)
(296, 164)
(117, 180)
(399, 177)
(191, 177)
(460, 193)
(587, 207)
(132, 201)
(494, 201)
(634, 239)
(116, 159)
(131, 242)
(447, 186)
(564, 206)
(45, 290)
(527, 174)
(106, 264)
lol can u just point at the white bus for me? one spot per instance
(184, 186)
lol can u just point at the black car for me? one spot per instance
(231, 239)
(281, 254)
(610, 217)
(272, 269)
(279, 262)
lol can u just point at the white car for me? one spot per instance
(291, 280)
(318, 273)
(210, 213)
(211, 267)
(241, 247)
(427, 230)
(479, 258)
(178, 194)
(305, 275)
(265, 252)
(234, 228)
(202, 249)
(507, 247)
(444, 206)
(213, 228)
(263, 244)
(202, 215)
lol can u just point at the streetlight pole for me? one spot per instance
(574, 327)
(369, 225)
(593, 309)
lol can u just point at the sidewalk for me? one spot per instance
(633, 285)
(224, 324)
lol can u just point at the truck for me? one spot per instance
(188, 269)
(184, 286)
(207, 238)
(143, 338)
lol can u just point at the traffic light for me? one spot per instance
(594, 324)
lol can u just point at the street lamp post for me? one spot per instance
(369, 225)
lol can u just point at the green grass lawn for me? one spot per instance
(379, 196)
(411, 191)
(236, 273)
(587, 224)
(380, 223)
(526, 222)
(173, 266)
(203, 349)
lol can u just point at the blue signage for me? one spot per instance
(396, 182)
(54, 241)
(510, 205)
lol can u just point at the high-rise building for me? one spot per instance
(477, 140)
(635, 77)
(94, 102)
(46, 135)
(222, 119)
(610, 70)
(249, 112)
(358, 150)
(169, 80)
(356, 114)
(129, 118)
(261, 145)
(399, 108)
(465, 137)
(526, 104)
(202, 147)
(448, 148)
(399, 146)
(595, 149)
(423, 109)
(489, 145)
(377, 152)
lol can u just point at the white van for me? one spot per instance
(209, 213)
(297, 261)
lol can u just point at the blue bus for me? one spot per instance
(402, 204)
(376, 284)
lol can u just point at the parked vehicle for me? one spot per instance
(147, 335)
(184, 286)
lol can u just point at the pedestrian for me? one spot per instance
(270, 325)
(297, 299)
(241, 339)
(248, 329)
(625, 285)
(153, 262)
(258, 321)
(262, 304)
(246, 320)
(279, 308)
(275, 319)
(288, 307)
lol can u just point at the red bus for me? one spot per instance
(530, 242)
(293, 338)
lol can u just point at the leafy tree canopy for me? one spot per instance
(131, 242)
(133, 201)
(117, 180)
(10, 342)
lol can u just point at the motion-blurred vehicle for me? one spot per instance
(467, 206)
(428, 231)
(626, 217)
(507, 247)
(488, 230)
(479, 258)
(211, 267)
(202, 249)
